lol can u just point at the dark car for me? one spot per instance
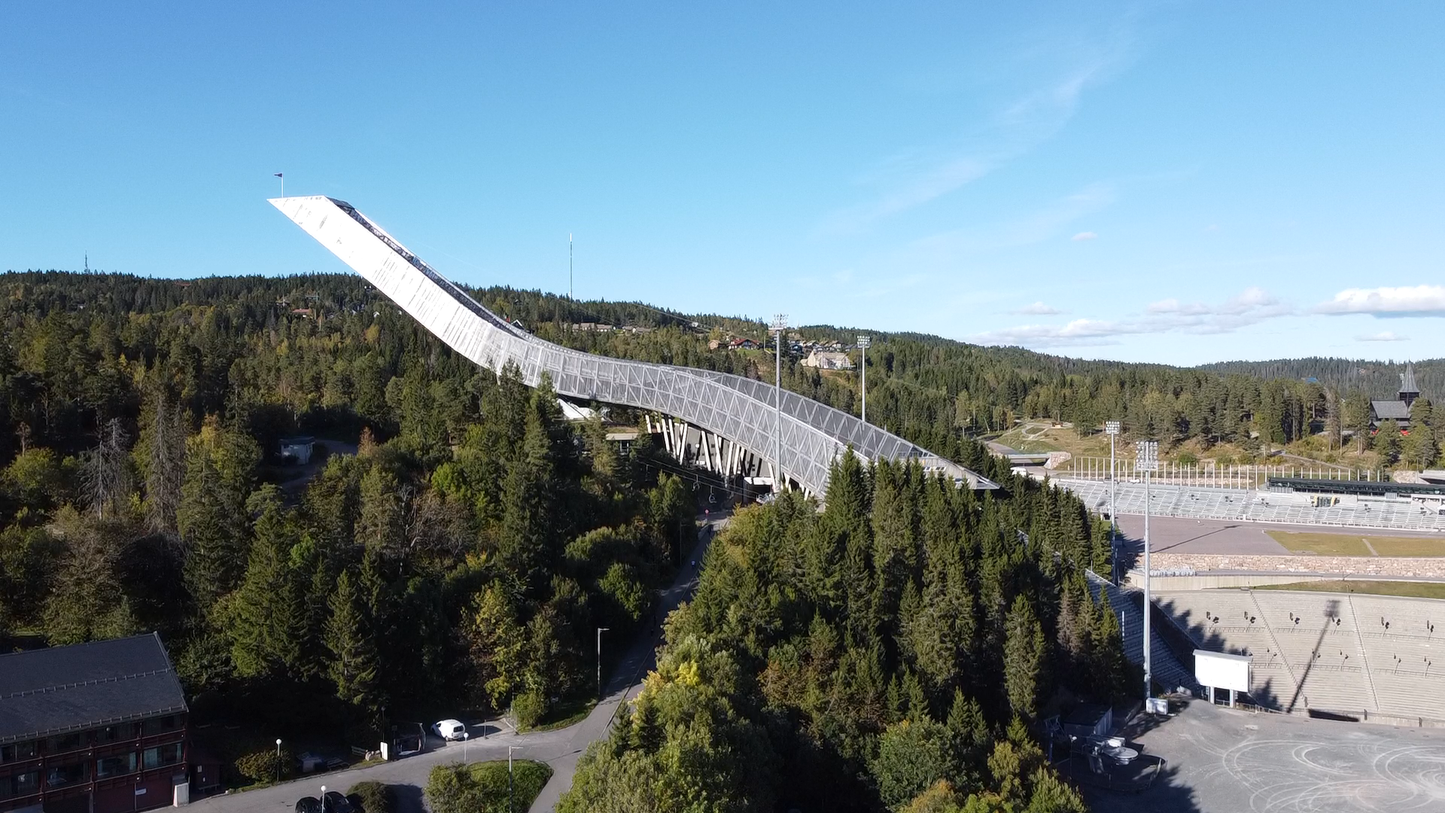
(335, 802)
(308, 804)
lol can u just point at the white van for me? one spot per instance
(450, 730)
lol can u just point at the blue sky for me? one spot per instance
(1178, 182)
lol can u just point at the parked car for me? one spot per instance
(449, 729)
(335, 802)
(308, 804)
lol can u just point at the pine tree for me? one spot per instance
(1110, 667)
(381, 525)
(105, 471)
(1387, 441)
(161, 456)
(354, 667)
(212, 516)
(1024, 659)
(264, 616)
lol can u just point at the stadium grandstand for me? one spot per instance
(1351, 503)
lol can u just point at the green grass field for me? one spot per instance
(1408, 589)
(1345, 544)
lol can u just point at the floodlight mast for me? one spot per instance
(780, 323)
(1146, 460)
(1111, 428)
(863, 342)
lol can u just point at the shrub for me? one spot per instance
(528, 708)
(457, 788)
(262, 766)
(1186, 459)
(372, 797)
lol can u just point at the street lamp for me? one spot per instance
(1111, 428)
(1146, 460)
(863, 342)
(278, 759)
(600, 630)
(780, 323)
(466, 740)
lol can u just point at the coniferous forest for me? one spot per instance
(457, 541)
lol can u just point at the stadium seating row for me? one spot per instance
(1233, 504)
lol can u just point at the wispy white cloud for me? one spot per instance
(1420, 300)
(1386, 336)
(1038, 309)
(1252, 306)
(943, 249)
(917, 176)
(1084, 235)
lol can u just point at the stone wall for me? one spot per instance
(1359, 566)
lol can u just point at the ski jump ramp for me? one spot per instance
(727, 423)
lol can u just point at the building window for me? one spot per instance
(115, 765)
(17, 751)
(65, 775)
(21, 784)
(114, 733)
(160, 725)
(61, 743)
(168, 754)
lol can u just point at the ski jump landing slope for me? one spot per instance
(738, 409)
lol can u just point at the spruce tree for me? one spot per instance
(1024, 659)
(354, 667)
(212, 516)
(381, 524)
(264, 616)
(1110, 666)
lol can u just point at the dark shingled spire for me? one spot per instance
(1408, 391)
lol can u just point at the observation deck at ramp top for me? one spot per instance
(738, 409)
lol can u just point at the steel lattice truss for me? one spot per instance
(738, 409)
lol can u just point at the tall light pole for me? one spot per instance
(278, 759)
(780, 323)
(600, 630)
(1111, 428)
(1146, 460)
(863, 342)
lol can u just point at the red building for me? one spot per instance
(92, 728)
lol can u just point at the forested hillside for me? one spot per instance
(898, 646)
(1377, 379)
(906, 634)
(461, 557)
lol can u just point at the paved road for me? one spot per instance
(560, 748)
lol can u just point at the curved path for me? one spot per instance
(559, 749)
(748, 413)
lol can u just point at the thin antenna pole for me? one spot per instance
(569, 267)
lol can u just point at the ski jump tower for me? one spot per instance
(723, 422)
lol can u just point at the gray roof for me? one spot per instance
(1390, 410)
(72, 688)
(1407, 380)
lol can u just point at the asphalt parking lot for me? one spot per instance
(1227, 761)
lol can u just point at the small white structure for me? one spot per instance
(573, 412)
(1217, 670)
(298, 448)
(828, 361)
